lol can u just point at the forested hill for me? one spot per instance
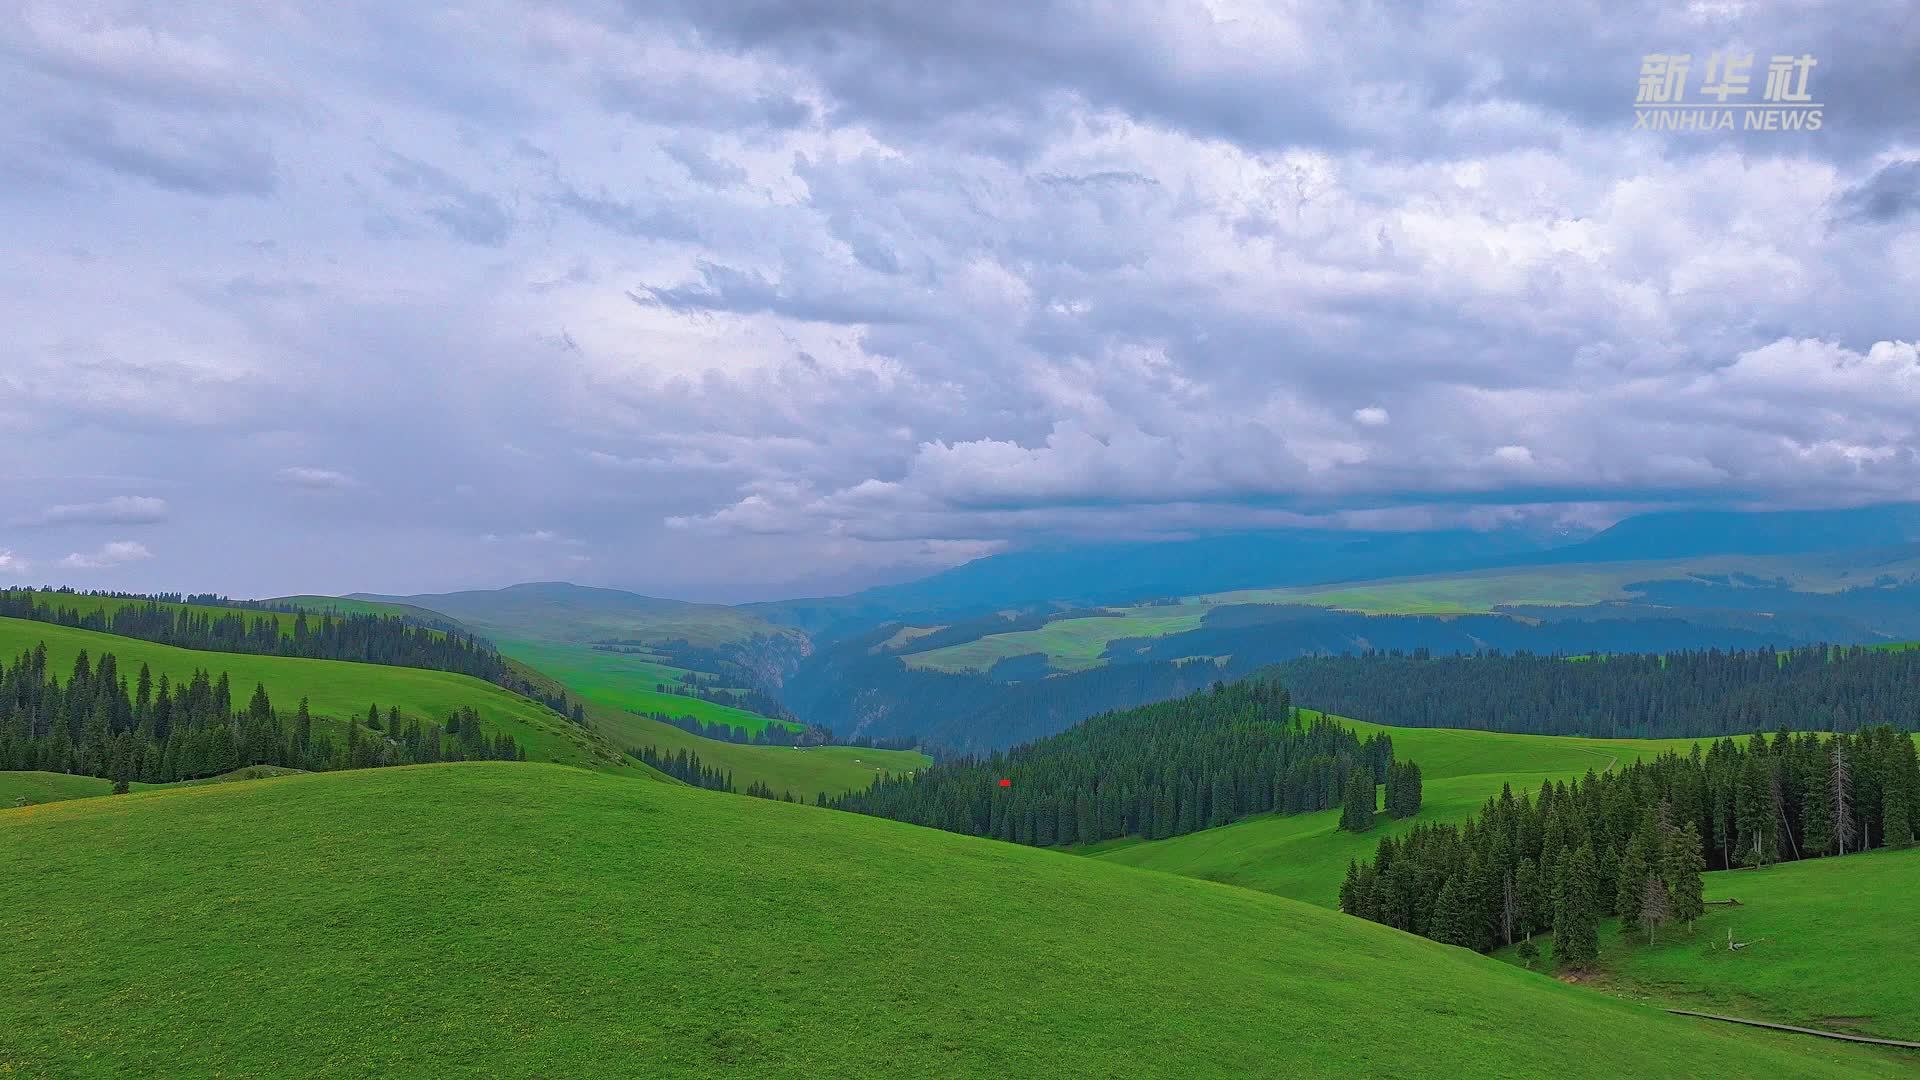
(1632, 842)
(209, 624)
(1676, 695)
(1156, 771)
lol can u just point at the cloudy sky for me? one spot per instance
(731, 299)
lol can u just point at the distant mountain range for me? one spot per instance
(1122, 573)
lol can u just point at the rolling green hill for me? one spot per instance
(338, 690)
(622, 681)
(1830, 941)
(44, 787)
(1303, 856)
(530, 920)
(550, 627)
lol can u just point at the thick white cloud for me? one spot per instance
(702, 298)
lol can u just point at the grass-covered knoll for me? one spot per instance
(338, 691)
(45, 787)
(1303, 856)
(529, 920)
(1831, 941)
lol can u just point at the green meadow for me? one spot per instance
(516, 919)
(339, 691)
(1831, 941)
(804, 771)
(622, 681)
(1069, 644)
(1304, 856)
(43, 787)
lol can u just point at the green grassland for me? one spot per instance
(803, 770)
(621, 681)
(528, 920)
(1069, 644)
(548, 628)
(338, 690)
(1832, 941)
(1303, 856)
(44, 787)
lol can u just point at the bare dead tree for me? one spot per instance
(1655, 907)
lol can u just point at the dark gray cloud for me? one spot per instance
(666, 294)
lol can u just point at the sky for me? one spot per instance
(735, 300)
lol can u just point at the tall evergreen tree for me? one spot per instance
(1577, 943)
(1357, 806)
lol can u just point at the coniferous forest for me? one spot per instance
(370, 639)
(1702, 694)
(1634, 841)
(102, 723)
(1156, 771)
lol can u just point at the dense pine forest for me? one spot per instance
(370, 639)
(1634, 841)
(1676, 695)
(97, 724)
(1155, 771)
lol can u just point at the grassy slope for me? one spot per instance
(832, 769)
(621, 681)
(529, 921)
(804, 771)
(45, 787)
(1303, 856)
(549, 628)
(1831, 948)
(336, 689)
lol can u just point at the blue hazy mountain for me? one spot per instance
(1133, 571)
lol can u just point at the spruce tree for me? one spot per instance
(1357, 808)
(1684, 866)
(1578, 943)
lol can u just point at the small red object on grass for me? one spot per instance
(1004, 782)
